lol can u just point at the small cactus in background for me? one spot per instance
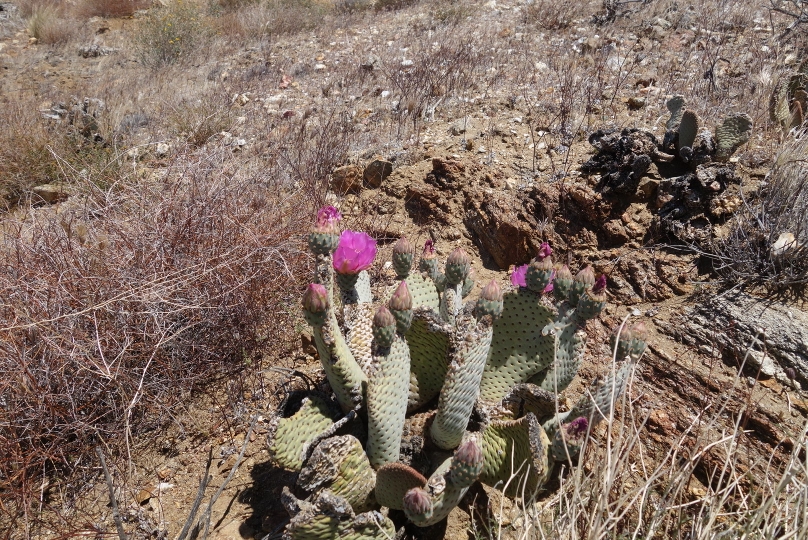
(505, 356)
(788, 103)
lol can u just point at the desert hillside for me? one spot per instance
(162, 165)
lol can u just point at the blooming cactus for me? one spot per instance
(355, 252)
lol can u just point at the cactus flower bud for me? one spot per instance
(458, 265)
(600, 285)
(384, 328)
(540, 271)
(401, 299)
(355, 252)
(404, 246)
(544, 251)
(569, 439)
(403, 253)
(586, 276)
(519, 276)
(631, 341)
(383, 317)
(315, 299)
(418, 503)
(328, 218)
(562, 282)
(577, 427)
(429, 250)
(470, 453)
(492, 292)
(490, 301)
(324, 236)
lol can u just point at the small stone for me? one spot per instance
(143, 496)
(347, 179)
(319, 67)
(162, 150)
(377, 171)
(49, 193)
(407, 63)
(635, 103)
(647, 188)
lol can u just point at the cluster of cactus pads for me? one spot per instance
(788, 105)
(430, 393)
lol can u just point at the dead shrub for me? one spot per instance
(551, 14)
(120, 305)
(170, 34)
(767, 244)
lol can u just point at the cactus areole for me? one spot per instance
(501, 359)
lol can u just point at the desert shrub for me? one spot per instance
(170, 34)
(117, 307)
(110, 8)
(767, 244)
(28, 7)
(196, 122)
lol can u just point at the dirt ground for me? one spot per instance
(476, 170)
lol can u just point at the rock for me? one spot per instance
(503, 228)
(463, 125)
(162, 150)
(376, 172)
(635, 103)
(775, 335)
(49, 193)
(648, 186)
(347, 179)
(95, 50)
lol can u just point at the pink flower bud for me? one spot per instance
(492, 292)
(328, 219)
(519, 276)
(429, 250)
(577, 427)
(459, 257)
(355, 252)
(315, 299)
(417, 502)
(586, 276)
(401, 299)
(403, 246)
(600, 285)
(544, 251)
(383, 317)
(469, 453)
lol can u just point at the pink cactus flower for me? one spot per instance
(519, 276)
(600, 284)
(355, 252)
(429, 250)
(544, 251)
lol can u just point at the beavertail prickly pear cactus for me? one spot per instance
(432, 393)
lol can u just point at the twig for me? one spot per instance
(203, 484)
(115, 515)
(206, 516)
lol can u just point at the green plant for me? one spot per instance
(505, 356)
(170, 34)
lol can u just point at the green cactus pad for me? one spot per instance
(568, 358)
(468, 285)
(732, 134)
(340, 465)
(387, 395)
(688, 129)
(518, 350)
(468, 351)
(676, 106)
(515, 452)
(288, 437)
(428, 339)
(344, 374)
(393, 481)
(330, 516)
(359, 324)
(423, 291)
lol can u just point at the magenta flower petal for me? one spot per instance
(519, 276)
(327, 219)
(600, 284)
(355, 252)
(544, 251)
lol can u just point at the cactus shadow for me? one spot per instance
(263, 496)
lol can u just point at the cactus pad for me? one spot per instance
(289, 437)
(388, 391)
(340, 465)
(330, 516)
(688, 129)
(732, 134)
(676, 106)
(515, 453)
(429, 349)
(393, 481)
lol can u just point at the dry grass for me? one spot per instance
(109, 8)
(49, 27)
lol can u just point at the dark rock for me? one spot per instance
(377, 171)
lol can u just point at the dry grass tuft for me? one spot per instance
(109, 8)
(48, 26)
